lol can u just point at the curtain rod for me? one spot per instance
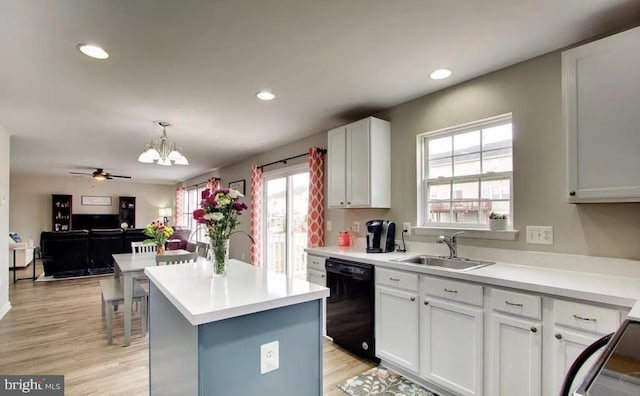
(204, 182)
(284, 161)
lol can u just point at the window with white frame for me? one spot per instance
(466, 172)
(192, 197)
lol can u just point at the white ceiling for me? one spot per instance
(198, 64)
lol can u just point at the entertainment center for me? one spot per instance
(63, 218)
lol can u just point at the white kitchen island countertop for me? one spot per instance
(246, 289)
(614, 288)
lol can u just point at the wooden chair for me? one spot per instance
(168, 259)
(141, 247)
(202, 248)
(112, 295)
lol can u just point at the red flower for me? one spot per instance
(198, 214)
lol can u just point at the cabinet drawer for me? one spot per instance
(516, 303)
(317, 277)
(585, 317)
(463, 292)
(404, 280)
(316, 262)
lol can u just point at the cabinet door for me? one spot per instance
(337, 168)
(358, 164)
(317, 277)
(567, 345)
(396, 327)
(452, 349)
(601, 96)
(517, 353)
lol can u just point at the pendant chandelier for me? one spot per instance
(163, 152)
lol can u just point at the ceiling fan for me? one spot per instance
(100, 174)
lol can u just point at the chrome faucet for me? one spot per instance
(451, 242)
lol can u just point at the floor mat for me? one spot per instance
(382, 381)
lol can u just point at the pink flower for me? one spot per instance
(205, 193)
(198, 214)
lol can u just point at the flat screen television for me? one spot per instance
(93, 221)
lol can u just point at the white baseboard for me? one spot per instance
(5, 309)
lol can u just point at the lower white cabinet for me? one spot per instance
(396, 326)
(567, 345)
(452, 345)
(516, 348)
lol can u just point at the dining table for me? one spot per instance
(131, 266)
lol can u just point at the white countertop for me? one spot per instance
(619, 290)
(246, 289)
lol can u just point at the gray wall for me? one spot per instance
(532, 92)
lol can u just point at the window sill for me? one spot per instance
(476, 233)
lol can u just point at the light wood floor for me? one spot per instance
(56, 328)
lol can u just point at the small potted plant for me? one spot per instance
(497, 221)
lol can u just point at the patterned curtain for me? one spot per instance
(315, 210)
(256, 215)
(213, 184)
(179, 207)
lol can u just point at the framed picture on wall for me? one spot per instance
(238, 185)
(95, 201)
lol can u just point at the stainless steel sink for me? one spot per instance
(457, 264)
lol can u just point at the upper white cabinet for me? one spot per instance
(359, 165)
(602, 122)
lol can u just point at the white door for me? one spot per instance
(285, 220)
(358, 161)
(517, 354)
(452, 346)
(567, 345)
(396, 327)
(337, 168)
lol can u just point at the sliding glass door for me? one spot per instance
(285, 217)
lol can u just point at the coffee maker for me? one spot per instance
(381, 235)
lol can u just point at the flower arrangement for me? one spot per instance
(219, 211)
(158, 234)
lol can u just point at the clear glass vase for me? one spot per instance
(219, 256)
(159, 249)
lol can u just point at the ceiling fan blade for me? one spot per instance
(80, 173)
(122, 177)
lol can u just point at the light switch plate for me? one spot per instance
(541, 235)
(329, 225)
(356, 226)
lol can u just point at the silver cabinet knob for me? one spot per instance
(426, 303)
(413, 299)
(534, 329)
(558, 336)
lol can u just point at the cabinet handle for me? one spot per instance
(348, 203)
(395, 279)
(413, 299)
(450, 291)
(558, 336)
(572, 193)
(585, 319)
(322, 276)
(426, 303)
(341, 203)
(512, 304)
(534, 330)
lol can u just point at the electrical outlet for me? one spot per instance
(356, 226)
(542, 235)
(329, 225)
(406, 227)
(269, 357)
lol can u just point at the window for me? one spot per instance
(192, 202)
(466, 172)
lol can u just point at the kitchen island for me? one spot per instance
(206, 334)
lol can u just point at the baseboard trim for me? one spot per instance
(5, 309)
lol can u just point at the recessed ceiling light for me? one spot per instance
(265, 95)
(440, 74)
(93, 51)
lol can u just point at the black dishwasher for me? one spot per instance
(350, 306)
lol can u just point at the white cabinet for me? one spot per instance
(600, 97)
(396, 318)
(576, 326)
(515, 344)
(317, 274)
(359, 165)
(452, 340)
